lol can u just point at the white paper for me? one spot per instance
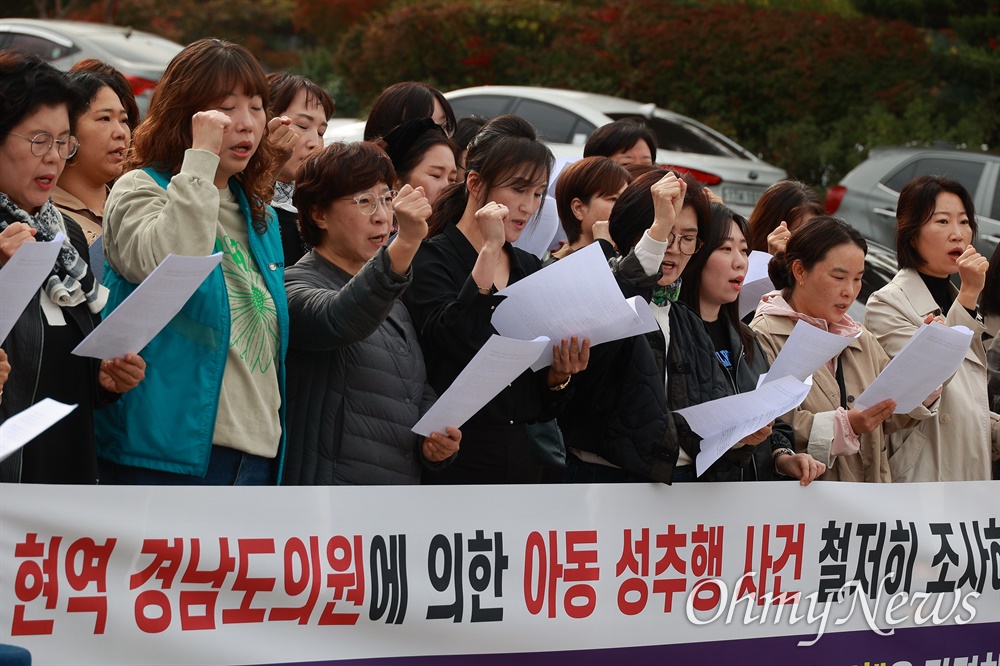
(149, 308)
(805, 351)
(24, 426)
(927, 360)
(756, 283)
(499, 362)
(723, 422)
(577, 296)
(21, 277)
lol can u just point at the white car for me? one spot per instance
(565, 118)
(140, 56)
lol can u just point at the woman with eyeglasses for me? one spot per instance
(356, 375)
(212, 411)
(683, 351)
(35, 142)
(456, 274)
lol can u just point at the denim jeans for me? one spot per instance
(226, 467)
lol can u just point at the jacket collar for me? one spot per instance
(917, 293)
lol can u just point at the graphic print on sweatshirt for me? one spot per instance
(253, 316)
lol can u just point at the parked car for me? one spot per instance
(140, 56)
(867, 196)
(565, 118)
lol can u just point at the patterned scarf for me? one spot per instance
(670, 293)
(70, 283)
(283, 196)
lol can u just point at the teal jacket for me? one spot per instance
(168, 420)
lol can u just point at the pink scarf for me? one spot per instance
(774, 303)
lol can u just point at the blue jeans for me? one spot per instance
(226, 467)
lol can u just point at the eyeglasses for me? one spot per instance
(369, 201)
(685, 244)
(42, 142)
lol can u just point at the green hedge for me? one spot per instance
(808, 91)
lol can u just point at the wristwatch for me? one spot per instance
(777, 454)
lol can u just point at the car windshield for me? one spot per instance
(683, 137)
(138, 48)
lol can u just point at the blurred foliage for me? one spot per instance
(810, 85)
(807, 90)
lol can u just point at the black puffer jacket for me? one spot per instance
(695, 376)
(356, 377)
(619, 410)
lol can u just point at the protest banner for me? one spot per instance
(770, 573)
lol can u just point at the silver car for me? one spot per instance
(565, 118)
(867, 196)
(140, 56)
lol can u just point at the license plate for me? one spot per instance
(740, 195)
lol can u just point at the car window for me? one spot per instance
(553, 124)
(965, 172)
(684, 138)
(484, 106)
(138, 48)
(40, 46)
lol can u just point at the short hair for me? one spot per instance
(633, 212)
(785, 201)
(405, 101)
(28, 83)
(284, 87)
(339, 170)
(619, 136)
(506, 152)
(196, 79)
(113, 79)
(915, 208)
(583, 180)
(810, 245)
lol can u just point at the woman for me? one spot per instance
(818, 277)
(626, 141)
(711, 288)
(357, 382)
(422, 156)
(212, 410)
(465, 130)
(35, 142)
(781, 210)
(989, 298)
(585, 194)
(407, 101)
(456, 275)
(305, 109)
(103, 120)
(936, 223)
(683, 351)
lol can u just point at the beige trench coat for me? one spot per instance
(862, 361)
(960, 441)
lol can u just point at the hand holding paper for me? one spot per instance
(927, 360)
(21, 277)
(149, 308)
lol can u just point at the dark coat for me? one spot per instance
(68, 447)
(356, 377)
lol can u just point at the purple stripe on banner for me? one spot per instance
(977, 644)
